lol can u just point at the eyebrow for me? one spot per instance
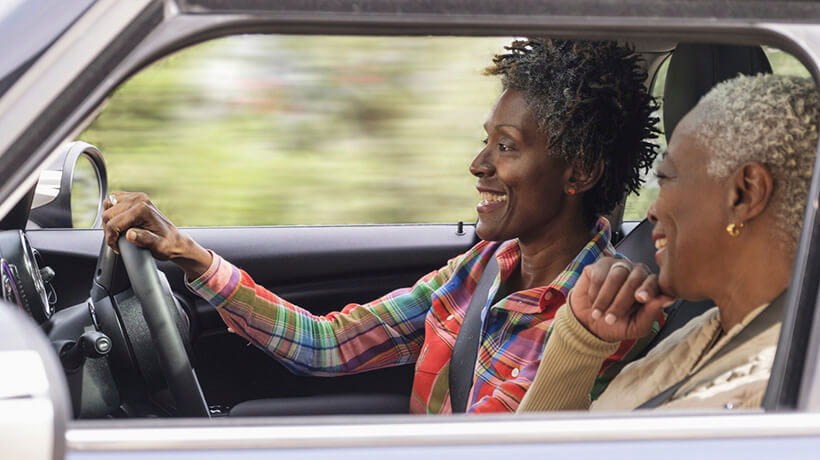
(518, 132)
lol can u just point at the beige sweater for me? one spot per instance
(573, 356)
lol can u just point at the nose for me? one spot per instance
(651, 215)
(482, 164)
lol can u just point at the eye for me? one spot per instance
(505, 147)
(485, 140)
(661, 177)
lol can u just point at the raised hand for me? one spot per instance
(617, 300)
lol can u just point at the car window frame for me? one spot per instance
(173, 29)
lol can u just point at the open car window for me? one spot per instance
(280, 130)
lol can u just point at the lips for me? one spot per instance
(660, 246)
(490, 200)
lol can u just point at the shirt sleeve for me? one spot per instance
(386, 332)
(569, 367)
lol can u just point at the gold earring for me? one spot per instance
(571, 191)
(734, 229)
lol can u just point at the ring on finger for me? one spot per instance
(623, 265)
(113, 199)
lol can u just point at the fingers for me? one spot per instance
(614, 278)
(597, 274)
(621, 305)
(648, 290)
(143, 238)
(124, 210)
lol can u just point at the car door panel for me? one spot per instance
(319, 268)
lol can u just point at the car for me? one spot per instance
(91, 368)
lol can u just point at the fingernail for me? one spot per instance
(131, 235)
(596, 314)
(642, 296)
(610, 319)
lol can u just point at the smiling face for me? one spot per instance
(690, 216)
(521, 186)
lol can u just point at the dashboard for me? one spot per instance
(24, 280)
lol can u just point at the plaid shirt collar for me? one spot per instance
(554, 294)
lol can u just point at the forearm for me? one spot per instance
(570, 364)
(356, 339)
(193, 259)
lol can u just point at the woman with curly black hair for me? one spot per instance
(566, 142)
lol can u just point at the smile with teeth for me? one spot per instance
(660, 243)
(489, 197)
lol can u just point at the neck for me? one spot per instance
(543, 258)
(756, 278)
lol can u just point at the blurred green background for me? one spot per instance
(277, 130)
(281, 130)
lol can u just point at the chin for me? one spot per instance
(484, 233)
(666, 285)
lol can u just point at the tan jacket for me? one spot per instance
(573, 356)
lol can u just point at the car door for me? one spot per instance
(793, 431)
(326, 143)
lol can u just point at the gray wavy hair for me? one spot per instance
(771, 119)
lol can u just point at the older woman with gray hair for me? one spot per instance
(727, 219)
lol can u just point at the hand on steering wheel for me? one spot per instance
(145, 226)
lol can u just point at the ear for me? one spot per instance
(581, 180)
(752, 187)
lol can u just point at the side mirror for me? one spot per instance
(71, 190)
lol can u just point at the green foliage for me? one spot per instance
(274, 130)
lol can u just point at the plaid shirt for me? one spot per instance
(417, 324)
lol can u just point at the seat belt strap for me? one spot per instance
(771, 315)
(465, 350)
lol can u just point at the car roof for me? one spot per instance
(779, 10)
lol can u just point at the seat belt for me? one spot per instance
(772, 314)
(465, 350)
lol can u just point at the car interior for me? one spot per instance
(92, 303)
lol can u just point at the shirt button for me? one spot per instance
(515, 372)
(450, 317)
(548, 296)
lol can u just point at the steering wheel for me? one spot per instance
(159, 311)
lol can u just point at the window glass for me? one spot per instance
(637, 203)
(784, 63)
(274, 130)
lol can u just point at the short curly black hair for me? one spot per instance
(589, 98)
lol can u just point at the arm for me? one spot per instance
(382, 333)
(613, 301)
(571, 362)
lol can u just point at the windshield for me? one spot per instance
(27, 27)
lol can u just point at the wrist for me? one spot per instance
(192, 258)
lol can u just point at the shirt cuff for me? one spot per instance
(217, 283)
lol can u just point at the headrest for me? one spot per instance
(695, 68)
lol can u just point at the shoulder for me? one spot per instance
(688, 333)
